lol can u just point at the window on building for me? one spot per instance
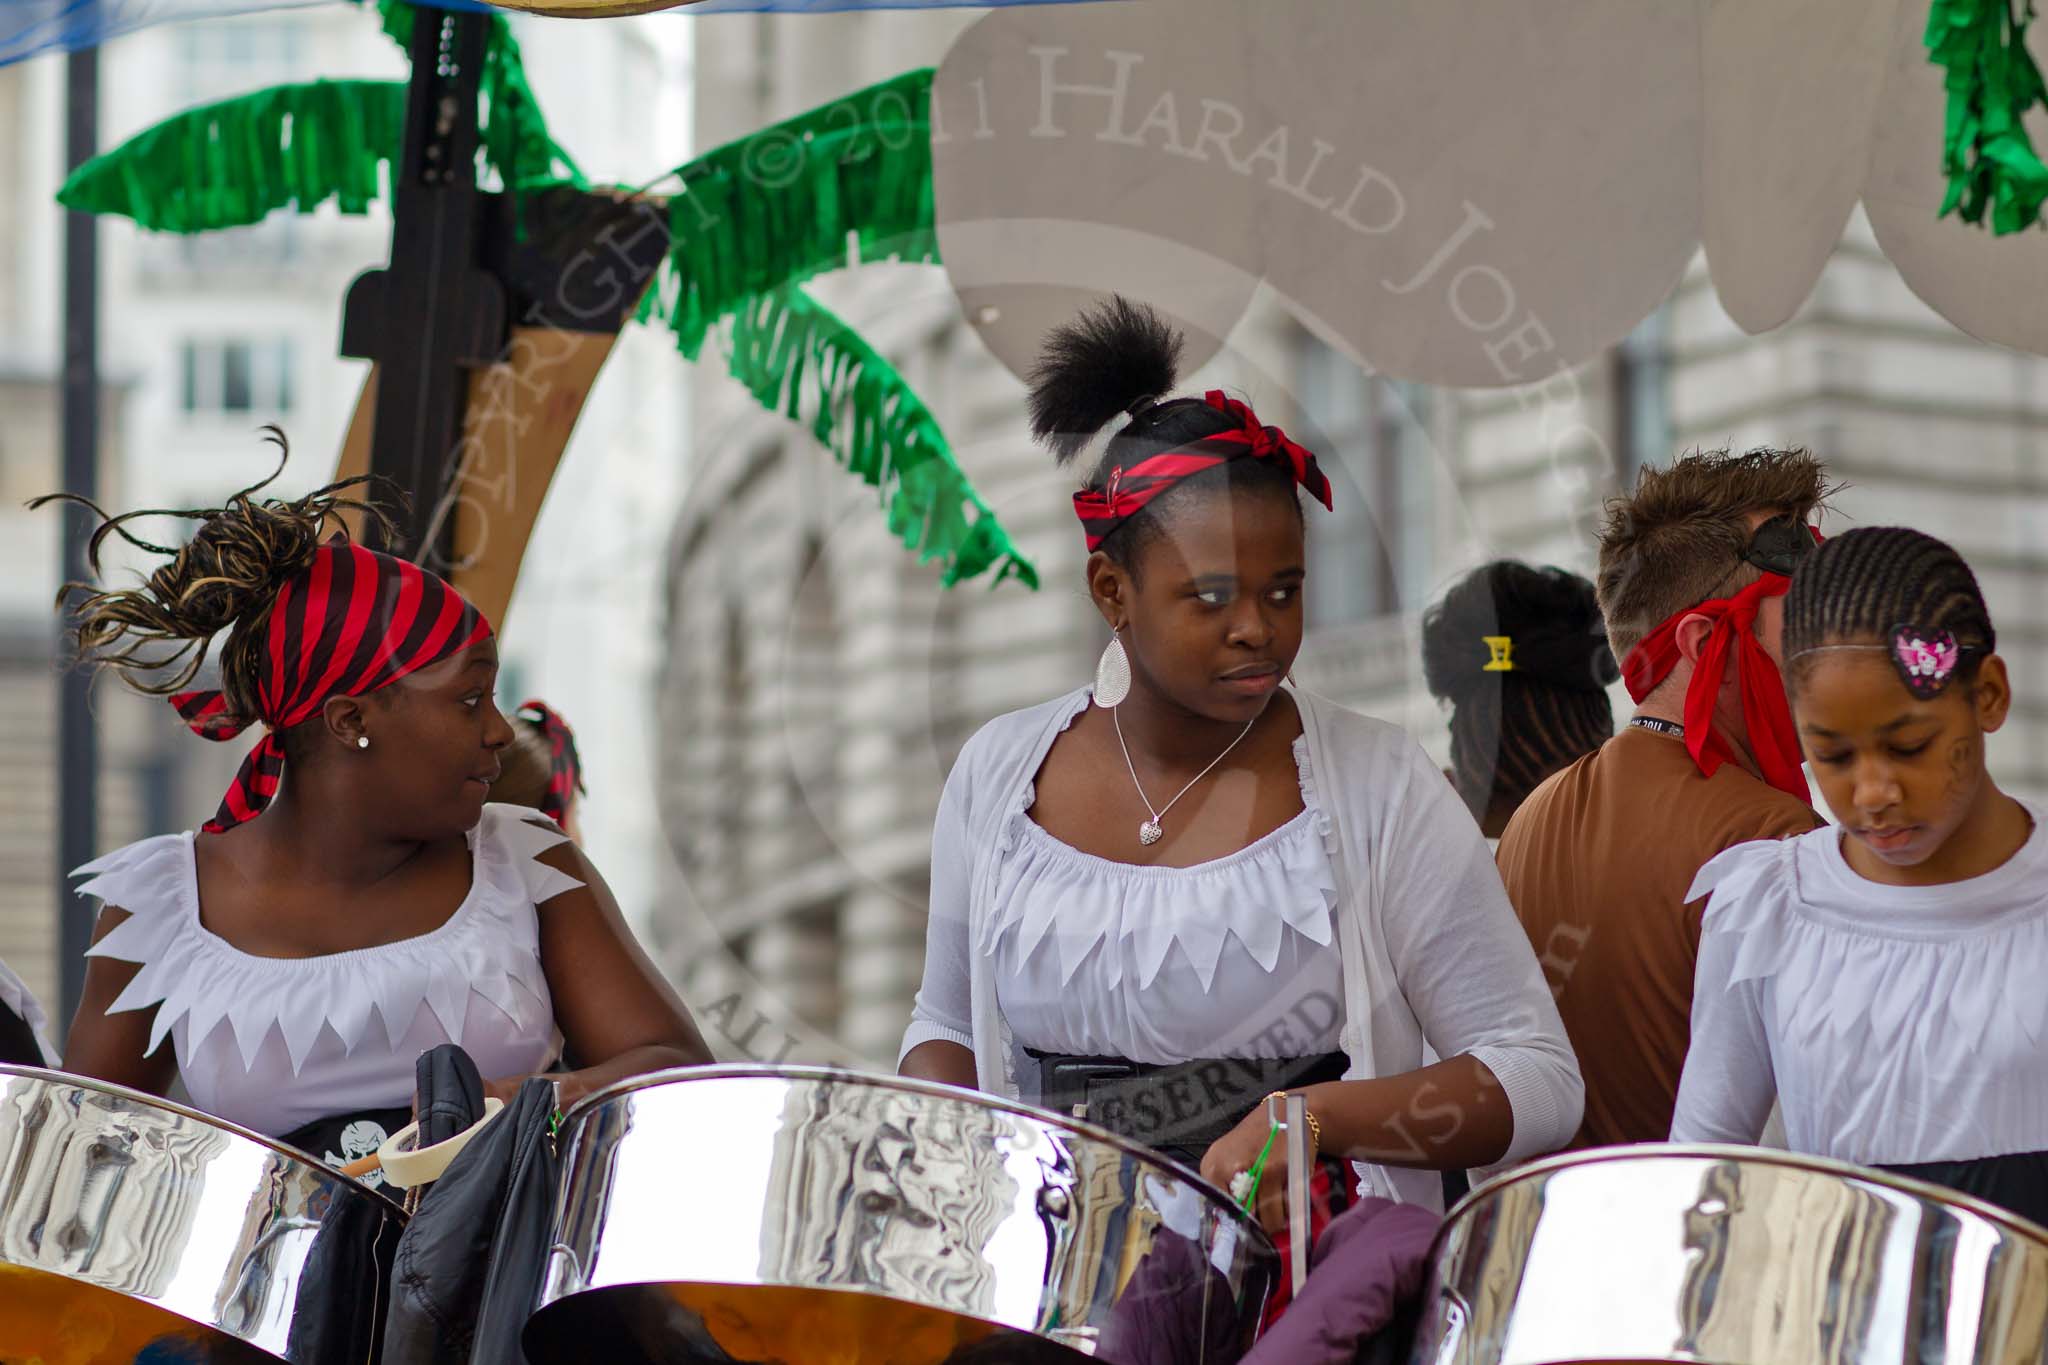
(1406, 502)
(765, 71)
(812, 724)
(730, 793)
(236, 375)
(237, 54)
(270, 243)
(510, 689)
(1640, 368)
(1346, 559)
(237, 392)
(1371, 557)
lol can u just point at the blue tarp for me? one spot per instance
(31, 26)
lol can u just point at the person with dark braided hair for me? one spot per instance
(356, 900)
(1882, 981)
(541, 769)
(1520, 655)
(1167, 896)
(1694, 564)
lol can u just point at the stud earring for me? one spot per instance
(362, 741)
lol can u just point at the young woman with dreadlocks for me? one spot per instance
(1882, 980)
(355, 901)
(1192, 885)
(1520, 654)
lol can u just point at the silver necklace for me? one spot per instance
(1150, 832)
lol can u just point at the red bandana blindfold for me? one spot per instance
(353, 622)
(1130, 490)
(1766, 714)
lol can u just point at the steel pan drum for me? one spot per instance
(136, 1230)
(804, 1216)
(1731, 1255)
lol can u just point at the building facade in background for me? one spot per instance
(817, 683)
(1922, 425)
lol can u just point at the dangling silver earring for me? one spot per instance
(362, 741)
(1113, 674)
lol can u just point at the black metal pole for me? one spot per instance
(77, 737)
(431, 315)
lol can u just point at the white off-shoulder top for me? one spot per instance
(276, 1043)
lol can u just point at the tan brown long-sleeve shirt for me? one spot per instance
(1597, 863)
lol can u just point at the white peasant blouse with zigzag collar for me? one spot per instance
(1236, 957)
(276, 1043)
(1373, 923)
(1894, 1025)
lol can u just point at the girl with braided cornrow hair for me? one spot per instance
(1883, 980)
(356, 901)
(1520, 654)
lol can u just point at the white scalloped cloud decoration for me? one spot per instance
(1463, 192)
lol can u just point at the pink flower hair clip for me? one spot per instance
(1925, 659)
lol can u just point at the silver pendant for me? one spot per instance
(1149, 833)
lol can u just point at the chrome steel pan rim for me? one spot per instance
(78, 1082)
(1690, 1253)
(1770, 1156)
(878, 1209)
(937, 1089)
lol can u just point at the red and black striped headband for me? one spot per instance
(350, 623)
(1103, 510)
(565, 769)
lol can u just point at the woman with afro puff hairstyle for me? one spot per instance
(1167, 895)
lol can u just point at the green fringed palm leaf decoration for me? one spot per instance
(1992, 83)
(848, 182)
(512, 128)
(798, 357)
(229, 164)
(299, 146)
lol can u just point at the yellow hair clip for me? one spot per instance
(1503, 660)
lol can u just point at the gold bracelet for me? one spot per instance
(1315, 1125)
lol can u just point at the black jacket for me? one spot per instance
(18, 1045)
(470, 1263)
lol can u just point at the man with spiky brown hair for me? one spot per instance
(1694, 564)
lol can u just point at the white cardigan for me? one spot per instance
(1432, 953)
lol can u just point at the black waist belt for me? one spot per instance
(347, 1137)
(2017, 1183)
(18, 1045)
(1177, 1109)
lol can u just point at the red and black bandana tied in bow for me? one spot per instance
(353, 622)
(565, 770)
(1130, 490)
(1766, 714)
